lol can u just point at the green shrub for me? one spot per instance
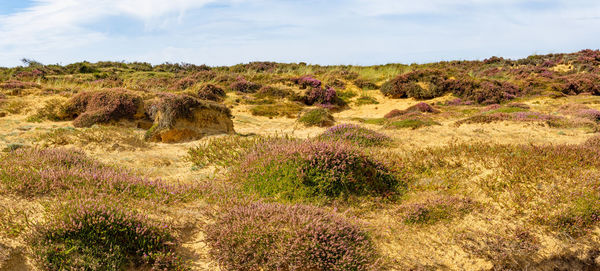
(363, 100)
(413, 123)
(317, 117)
(95, 236)
(314, 171)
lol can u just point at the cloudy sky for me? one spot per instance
(226, 32)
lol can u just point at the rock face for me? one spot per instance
(184, 118)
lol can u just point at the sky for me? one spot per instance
(326, 32)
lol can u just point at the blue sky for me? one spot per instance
(357, 32)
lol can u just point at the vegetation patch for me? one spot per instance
(211, 92)
(286, 109)
(272, 236)
(35, 172)
(317, 117)
(244, 86)
(355, 134)
(89, 108)
(412, 121)
(314, 170)
(364, 100)
(96, 236)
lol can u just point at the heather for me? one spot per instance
(89, 108)
(31, 172)
(314, 171)
(273, 236)
(211, 92)
(95, 236)
(355, 134)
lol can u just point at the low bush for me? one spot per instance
(365, 84)
(14, 85)
(355, 134)
(419, 84)
(364, 100)
(346, 95)
(286, 109)
(96, 236)
(244, 86)
(89, 108)
(272, 236)
(307, 81)
(577, 83)
(321, 96)
(53, 109)
(317, 117)
(314, 171)
(211, 92)
(417, 108)
(35, 172)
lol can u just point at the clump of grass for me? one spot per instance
(211, 92)
(317, 117)
(33, 172)
(110, 137)
(364, 100)
(53, 109)
(224, 151)
(437, 209)
(346, 95)
(580, 215)
(272, 236)
(96, 236)
(355, 134)
(15, 106)
(314, 171)
(273, 92)
(411, 122)
(286, 109)
(90, 108)
(365, 84)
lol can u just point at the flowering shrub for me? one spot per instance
(272, 236)
(314, 170)
(307, 81)
(491, 92)
(103, 106)
(579, 83)
(14, 84)
(419, 84)
(274, 92)
(317, 117)
(355, 134)
(35, 172)
(96, 236)
(593, 142)
(183, 83)
(211, 92)
(322, 96)
(244, 86)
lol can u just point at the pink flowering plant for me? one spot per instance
(33, 172)
(273, 236)
(314, 171)
(92, 235)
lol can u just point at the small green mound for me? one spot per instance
(271, 236)
(364, 100)
(355, 134)
(317, 117)
(94, 236)
(412, 123)
(314, 171)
